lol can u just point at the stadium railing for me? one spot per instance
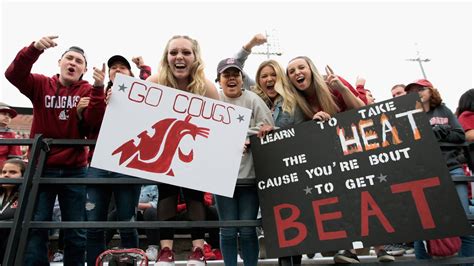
(32, 179)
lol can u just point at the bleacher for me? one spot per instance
(32, 179)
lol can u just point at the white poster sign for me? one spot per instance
(171, 136)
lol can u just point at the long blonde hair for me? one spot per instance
(324, 97)
(282, 87)
(197, 79)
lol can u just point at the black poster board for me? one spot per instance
(369, 176)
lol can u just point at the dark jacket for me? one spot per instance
(446, 128)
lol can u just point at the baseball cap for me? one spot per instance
(7, 109)
(420, 82)
(118, 58)
(76, 49)
(228, 63)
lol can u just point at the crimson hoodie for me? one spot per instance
(54, 107)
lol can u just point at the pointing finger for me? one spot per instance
(51, 43)
(50, 40)
(103, 67)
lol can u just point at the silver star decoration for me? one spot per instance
(307, 190)
(122, 87)
(382, 178)
(240, 118)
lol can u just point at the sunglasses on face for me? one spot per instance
(417, 89)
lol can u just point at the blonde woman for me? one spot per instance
(182, 68)
(319, 97)
(274, 88)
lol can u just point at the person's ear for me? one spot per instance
(85, 70)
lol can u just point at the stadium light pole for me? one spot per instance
(419, 60)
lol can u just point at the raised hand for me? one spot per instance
(138, 60)
(46, 42)
(99, 76)
(258, 39)
(360, 81)
(333, 81)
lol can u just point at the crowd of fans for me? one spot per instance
(67, 107)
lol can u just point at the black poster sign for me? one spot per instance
(369, 176)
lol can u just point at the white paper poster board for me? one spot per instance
(171, 136)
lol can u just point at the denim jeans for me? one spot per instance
(97, 207)
(243, 206)
(467, 242)
(71, 202)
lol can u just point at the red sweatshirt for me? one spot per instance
(466, 119)
(359, 92)
(54, 107)
(8, 151)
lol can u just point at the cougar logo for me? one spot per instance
(168, 135)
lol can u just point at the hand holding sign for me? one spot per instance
(264, 130)
(172, 136)
(374, 176)
(321, 116)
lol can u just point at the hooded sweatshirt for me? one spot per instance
(54, 107)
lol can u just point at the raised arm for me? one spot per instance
(93, 114)
(351, 98)
(19, 71)
(145, 71)
(243, 54)
(246, 49)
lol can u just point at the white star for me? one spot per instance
(307, 190)
(382, 178)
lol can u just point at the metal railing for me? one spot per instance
(22, 222)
